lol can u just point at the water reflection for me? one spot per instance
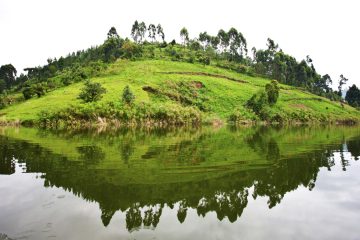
(141, 172)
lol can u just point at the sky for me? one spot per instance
(328, 31)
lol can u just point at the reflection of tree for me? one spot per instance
(288, 174)
(225, 204)
(263, 143)
(182, 211)
(106, 216)
(134, 219)
(7, 163)
(353, 147)
(344, 163)
(273, 151)
(226, 194)
(127, 149)
(91, 154)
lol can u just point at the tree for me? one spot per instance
(353, 96)
(92, 92)
(205, 39)
(138, 31)
(111, 46)
(342, 82)
(272, 46)
(8, 74)
(215, 42)
(142, 31)
(135, 31)
(112, 33)
(323, 83)
(160, 32)
(184, 34)
(224, 39)
(152, 32)
(237, 43)
(2, 86)
(272, 89)
(128, 96)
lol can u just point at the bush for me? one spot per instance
(205, 60)
(92, 92)
(2, 102)
(39, 89)
(242, 115)
(272, 91)
(73, 75)
(167, 113)
(258, 101)
(131, 50)
(28, 92)
(128, 97)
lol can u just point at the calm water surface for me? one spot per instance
(245, 183)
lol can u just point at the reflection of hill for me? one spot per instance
(204, 170)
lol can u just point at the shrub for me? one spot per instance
(272, 90)
(72, 75)
(92, 92)
(261, 102)
(28, 92)
(128, 96)
(205, 60)
(39, 89)
(242, 115)
(258, 101)
(2, 102)
(131, 50)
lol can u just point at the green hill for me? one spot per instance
(177, 92)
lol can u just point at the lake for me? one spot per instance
(207, 183)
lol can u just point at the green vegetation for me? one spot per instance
(353, 96)
(128, 97)
(205, 79)
(92, 92)
(130, 170)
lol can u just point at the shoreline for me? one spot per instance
(116, 123)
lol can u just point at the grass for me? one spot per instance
(222, 96)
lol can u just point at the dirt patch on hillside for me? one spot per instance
(206, 74)
(308, 99)
(299, 106)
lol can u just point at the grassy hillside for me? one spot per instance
(178, 92)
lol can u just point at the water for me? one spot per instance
(227, 183)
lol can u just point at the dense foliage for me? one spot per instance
(128, 96)
(353, 96)
(92, 92)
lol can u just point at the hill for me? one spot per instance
(176, 92)
(148, 81)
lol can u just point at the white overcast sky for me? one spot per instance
(31, 31)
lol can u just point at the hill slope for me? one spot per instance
(170, 90)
